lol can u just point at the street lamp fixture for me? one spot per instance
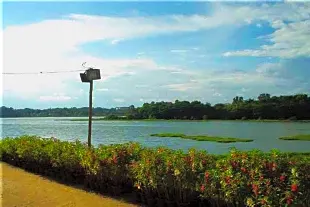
(87, 77)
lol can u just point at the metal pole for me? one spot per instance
(90, 111)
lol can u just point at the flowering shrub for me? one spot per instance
(239, 178)
(108, 166)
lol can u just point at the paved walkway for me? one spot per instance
(20, 189)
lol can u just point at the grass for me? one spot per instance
(300, 137)
(203, 138)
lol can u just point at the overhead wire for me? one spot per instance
(46, 72)
(40, 72)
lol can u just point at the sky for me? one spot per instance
(153, 51)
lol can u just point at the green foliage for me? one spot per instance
(62, 112)
(109, 117)
(203, 138)
(239, 178)
(301, 137)
(294, 107)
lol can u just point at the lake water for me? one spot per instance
(264, 134)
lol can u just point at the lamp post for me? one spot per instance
(87, 77)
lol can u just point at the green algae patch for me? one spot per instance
(299, 137)
(202, 138)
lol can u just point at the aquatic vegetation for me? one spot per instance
(300, 137)
(203, 138)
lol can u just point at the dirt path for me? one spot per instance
(20, 189)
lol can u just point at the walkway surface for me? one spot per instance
(20, 189)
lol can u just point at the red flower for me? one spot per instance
(202, 188)
(234, 164)
(294, 187)
(261, 178)
(270, 165)
(243, 170)
(207, 175)
(227, 180)
(263, 202)
(255, 189)
(274, 166)
(291, 163)
(203, 162)
(282, 178)
(289, 200)
(187, 159)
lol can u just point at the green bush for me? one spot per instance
(194, 178)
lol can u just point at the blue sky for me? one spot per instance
(153, 51)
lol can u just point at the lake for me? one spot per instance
(264, 134)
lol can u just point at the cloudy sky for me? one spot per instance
(205, 51)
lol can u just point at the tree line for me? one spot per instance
(264, 107)
(60, 112)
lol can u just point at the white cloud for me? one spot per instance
(181, 86)
(141, 86)
(42, 47)
(102, 89)
(277, 24)
(55, 97)
(269, 68)
(288, 41)
(217, 94)
(116, 41)
(119, 100)
(178, 51)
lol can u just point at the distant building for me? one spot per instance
(122, 108)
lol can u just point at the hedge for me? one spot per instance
(165, 177)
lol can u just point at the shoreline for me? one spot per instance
(100, 118)
(188, 120)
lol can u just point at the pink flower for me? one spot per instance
(202, 188)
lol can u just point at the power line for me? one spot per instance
(42, 72)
